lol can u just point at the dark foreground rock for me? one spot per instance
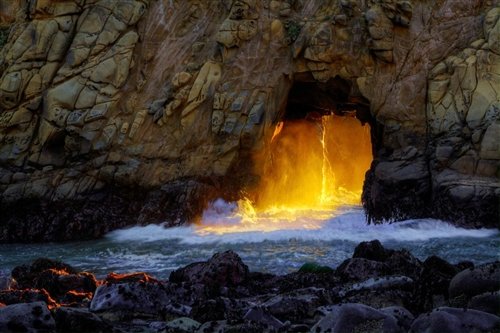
(26, 317)
(378, 290)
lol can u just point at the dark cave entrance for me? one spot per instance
(321, 149)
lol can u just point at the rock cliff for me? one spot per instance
(114, 112)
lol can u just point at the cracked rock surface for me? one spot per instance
(116, 112)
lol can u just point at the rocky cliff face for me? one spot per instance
(118, 111)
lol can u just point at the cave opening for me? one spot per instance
(314, 161)
(320, 150)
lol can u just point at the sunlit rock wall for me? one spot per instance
(114, 112)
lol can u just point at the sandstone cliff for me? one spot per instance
(114, 112)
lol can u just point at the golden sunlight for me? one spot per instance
(317, 164)
(314, 167)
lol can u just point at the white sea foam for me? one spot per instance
(345, 224)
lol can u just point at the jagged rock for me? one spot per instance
(432, 284)
(223, 269)
(475, 281)
(428, 89)
(26, 275)
(60, 280)
(372, 250)
(359, 269)
(371, 259)
(356, 317)
(26, 296)
(446, 319)
(297, 305)
(220, 308)
(27, 317)
(79, 320)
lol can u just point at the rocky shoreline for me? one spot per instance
(377, 290)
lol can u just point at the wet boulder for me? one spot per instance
(379, 283)
(222, 270)
(178, 325)
(487, 302)
(26, 317)
(219, 326)
(138, 298)
(475, 281)
(402, 262)
(260, 315)
(220, 308)
(360, 269)
(297, 280)
(79, 320)
(27, 275)
(312, 267)
(297, 305)
(445, 319)
(224, 326)
(182, 325)
(372, 250)
(352, 317)
(380, 298)
(431, 289)
(404, 317)
(398, 262)
(61, 281)
(377, 292)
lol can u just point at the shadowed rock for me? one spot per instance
(223, 269)
(455, 320)
(27, 317)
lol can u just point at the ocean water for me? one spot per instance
(327, 238)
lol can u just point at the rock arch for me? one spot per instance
(165, 103)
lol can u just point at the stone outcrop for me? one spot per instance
(163, 105)
(221, 295)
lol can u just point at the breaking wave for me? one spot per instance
(345, 224)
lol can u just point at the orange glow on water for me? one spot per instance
(315, 166)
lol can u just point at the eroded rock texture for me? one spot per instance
(114, 112)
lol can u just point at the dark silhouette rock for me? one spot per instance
(312, 267)
(445, 319)
(259, 315)
(472, 282)
(297, 305)
(360, 269)
(61, 282)
(223, 269)
(351, 317)
(487, 302)
(79, 320)
(15, 296)
(431, 289)
(27, 275)
(372, 250)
